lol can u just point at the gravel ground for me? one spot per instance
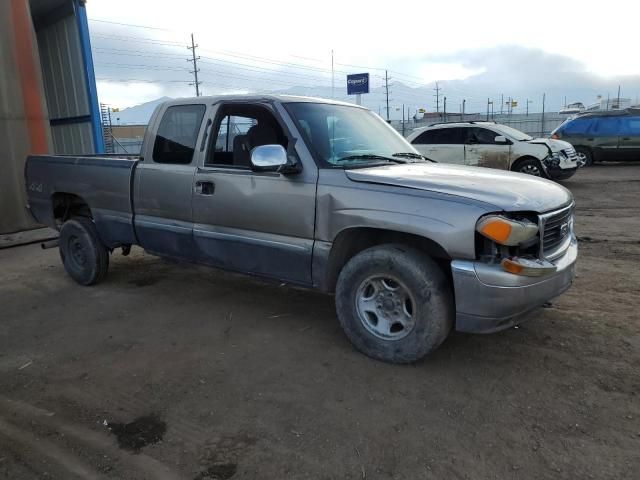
(174, 371)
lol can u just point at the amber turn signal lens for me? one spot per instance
(506, 231)
(527, 267)
(497, 230)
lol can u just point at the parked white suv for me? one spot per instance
(488, 144)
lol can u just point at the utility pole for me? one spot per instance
(607, 100)
(445, 109)
(464, 103)
(501, 103)
(333, 86)
(618, 96)
(528, 102)
(195, 71)
(544, 98)
(488, 103)
(386, 87)
(403, 119)
(437, 95)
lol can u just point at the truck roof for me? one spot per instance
(256, 98)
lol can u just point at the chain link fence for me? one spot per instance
(534, 124)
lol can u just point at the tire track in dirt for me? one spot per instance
(24, 413)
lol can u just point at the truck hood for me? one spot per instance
(554, 145)
(508, 191)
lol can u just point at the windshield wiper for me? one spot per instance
(367, 156)
(417, 156)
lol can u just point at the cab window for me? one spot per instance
(177, 134)
(631, 126)
(440, 136)
(579, 126)
(481, 136)
(238, 130)
(607, 126)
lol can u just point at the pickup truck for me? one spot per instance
(325, 195)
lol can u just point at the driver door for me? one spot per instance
(481, 150)
(253, 222)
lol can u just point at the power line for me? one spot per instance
(129, 25)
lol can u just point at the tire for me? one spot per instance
(422, 299)
(529, 166)
(83, 255)
(584, 156)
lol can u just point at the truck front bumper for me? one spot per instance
(488, 299)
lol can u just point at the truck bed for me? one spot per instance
(103, 183)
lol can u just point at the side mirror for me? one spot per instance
(269, 158)
(501, 139)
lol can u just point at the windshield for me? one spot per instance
(342, 135)
(513, 133)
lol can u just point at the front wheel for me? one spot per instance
(394, 303)
(530, 166)
(83, 255)
(585, 157)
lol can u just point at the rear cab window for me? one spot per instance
(177, 134)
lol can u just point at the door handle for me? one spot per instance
(205, 188)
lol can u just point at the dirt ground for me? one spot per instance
(175, 371)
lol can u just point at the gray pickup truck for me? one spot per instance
(324, 195)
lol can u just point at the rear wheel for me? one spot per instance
(83, 255)
(394, 303)
(585, 157)
(530, 166)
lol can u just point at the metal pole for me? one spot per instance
(358, 99)
(501, 103)
(403, 119)
(464, 103)
(618, 96)
(544, 97)
(386, 85)
(445, 108)
(195, 65)
(487, 109)
(333, 94)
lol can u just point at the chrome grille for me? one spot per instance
(555, 229)
(571, 154)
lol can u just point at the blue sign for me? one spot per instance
(357, 83)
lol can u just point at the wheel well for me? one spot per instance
(352, 241)
(66, 205)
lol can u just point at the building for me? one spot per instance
(48, 98)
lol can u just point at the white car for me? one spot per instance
(488, 144)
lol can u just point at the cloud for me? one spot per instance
(131, 74)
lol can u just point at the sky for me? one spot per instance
(475, 50)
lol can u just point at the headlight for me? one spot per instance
(506, 231)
